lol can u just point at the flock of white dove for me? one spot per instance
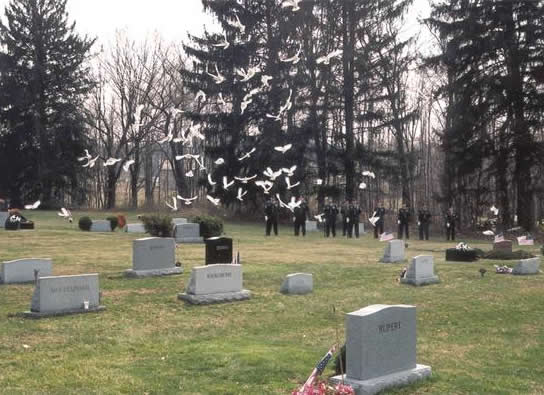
(194, 130)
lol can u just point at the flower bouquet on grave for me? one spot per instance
(314, 386)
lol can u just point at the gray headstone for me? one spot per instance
(22, 270)
(59, 295)
(153, 256)
(420, 271)
(135, 228)
(527, 266)
(381, 348)
(505, 245)
(361, 228)
(101, 225)
(394, 251)
(177, 221)
(187, 233)
(214, 284)
(3, 217)
(311, 226)
(298, 284)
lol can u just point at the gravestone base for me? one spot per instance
(187, 240)
(377, 384)
(38, 315)
(153, 272)
(215, 298)
(420, 281)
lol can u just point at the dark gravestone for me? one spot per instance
(505, 245)
(455, 255)
(218, 250)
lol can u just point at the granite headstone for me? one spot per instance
(311, 226)
(135, 228)
(218, 250)
(394, 252)
(3, 217)
(420, 271)
(187, 233)
(101, 225)
(505, 245)
(153, 256)
(527, 266)
(22, 270)
(297, 284)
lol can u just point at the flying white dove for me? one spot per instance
(265, 79)
(33, 206)
(272, 174)
(241, 194)
(189, 174)
(253, 131)
(210, 181)
(225, 44)
(247, 154)
(288, 104)
(90, 164)
(319, 181)
(282, 204)
(488, 233)
(247, 75)
(291, 3)
(327, 58)
(187, 201)
(200, 95)
(293, 204)
(362, 185)
(127, 164)
(293, 59)
(283, 149)
(319, 217)
(369, 174)
(219, 161)
(289, 172)
(66, 214)
(218, 77)
(494, 210)
(289, 185)
(215, 201)
(244, 104)
(112, 161)
(175, 111)
(266, 185)
(237, 24)
(86, 157)
(174, 207)
(226, 184)
(274, 117)
(244, 180)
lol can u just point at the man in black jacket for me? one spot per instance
(423, 222)
(344, 212)
(403, 221)
(380, 214)
(450, 219)
(301, 213)
(354, 211)
(271, 213)
(331, 211)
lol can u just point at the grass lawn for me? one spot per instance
(480, 335)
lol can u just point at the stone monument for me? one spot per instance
(505, 245)
(135, 228)
(297, 284)
(218, 250)
(420, 271)
(311, 226)
(215, 284)
(394, 252)
(153, 256)
(23, 270)
(187, 233)
(527, 266)
(101, 225)
(381, 349)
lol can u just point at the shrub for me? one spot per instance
(209, 226)
(85, 223)
(113, 222)
(506, 255)
(157, 225)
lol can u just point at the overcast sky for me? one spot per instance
(171, 18)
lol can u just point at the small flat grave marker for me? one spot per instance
(297, 284)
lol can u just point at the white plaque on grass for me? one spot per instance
(153, 256)
(527, 266)
(215, 283)
(135, 228)
(311, 226)
(420, 271)
(3, 218)
(381, 348)
(394, 252)
(22, 270)
(58, 295)
(298, 284)
(187, 233)
(101, 225)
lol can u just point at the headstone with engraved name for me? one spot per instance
(505, 245)
(394, 252)
(420, 271)
(135, 228)
(187, 233)
(101, 225)
(22, 270)
(215, 284)
(381, 349)
(527, 266)
(297, 284)
(3, 217)
(218, 250)
(153, 256)
(311, 226)
(59, 295)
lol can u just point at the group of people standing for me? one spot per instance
(350, 213)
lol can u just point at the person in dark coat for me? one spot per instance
(403, 221)
(331, 211)
(354, 211)
(301, 214)
(450, 220)
(423, 222)
(271, 213)
(380, 214)
(345, 217)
